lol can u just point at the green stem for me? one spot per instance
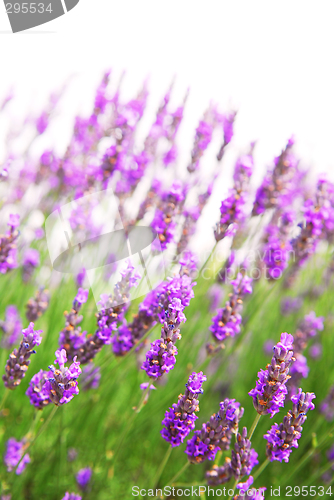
(261, 469)
(5, 396)
(233, 488)
(209, 257)
(256, 421)
(161, 467)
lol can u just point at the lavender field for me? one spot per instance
(138, 357)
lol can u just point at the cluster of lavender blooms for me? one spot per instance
(71, 337)
(15, 456)
(283, 437)
(169, 207)
(243, 459)
(203, 137)
(232, 210)
(19, 360)
(169, 303)
(180, 419)
(216, 434)
(30, 262)
(36, 307)
(270, 391)
(248, 493)
(227, 322)
(318, 225)
(306, 330)
(11, 327)
(8, 250)
(277, 247)
(278, 186)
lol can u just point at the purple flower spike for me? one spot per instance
(244, 458)
(30, 262)
(83, 477)
(180, 419)
(37, 391)
(90, 378)
(62, 385)
(216, 434)
(81, 298)
(227, 322)
(270, 391)
(19, 359)
(8, 251)
(281, 438)
(14, 454)
(37, 306)
(11, 327)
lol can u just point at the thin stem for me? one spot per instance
(261, 469)
(5, 396)
(234, 487)
(209, 257)
(256, 421)
(161, 467)
(178, 474)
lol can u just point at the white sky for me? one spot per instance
(272, 60)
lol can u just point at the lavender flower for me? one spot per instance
(291, 305)
(219, 475)
(71, 338)
(283, 437)
(30, 262)
(15, 457)
(227, 322)
(71, 496)
(180, 419)
(83, 477)
(90, 378)
(37, 390)
(248, 493)
(19, 359)
(232, 208)
(278, 185)
(37, 306)
(11, 327)
(215, 294)
(216, 434)
(8, 251)
(63, 385)
(244, 458)
(202, 140)
(270, 391)
(327, 406)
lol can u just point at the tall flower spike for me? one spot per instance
(71, 338)
(203, 136)
(244, 458)
(30, 262)
(232, 210)
(15, 457)
(19, 359)
(8, 251)
(11, 327)
(62, 386)
(281, 438)
(227, 322)
(270, 391)
(216, 434)
(180, 419)
(37, 306)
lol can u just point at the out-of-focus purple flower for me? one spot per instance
(90, 378)
(268, 347)
(281, 438)
(215, 294)
(83, 477)
(80, 298)
(327, 406)
(227, 271)
(15, 457)
(203, 136)
(8, 250)
(71, 496)
(37, 306)
(11, 327)
(180, 419)
(42, 122)
(227, 322)
(72, 454)
(330, 454)
(216, 434)
(30, 262)
(232, 210)
(227, 122)
(39, 233)
(278, 186)
(270, 391)
(290, 305)
(315, 351)
(80, 277)
(62, 386)
(19, 359)
(37, 391)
